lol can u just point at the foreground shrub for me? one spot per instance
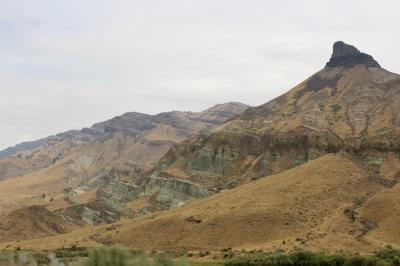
(107, 256)
(389, 253)
(41, 258)
(304, 259)
(70, 253)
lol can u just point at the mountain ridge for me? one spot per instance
(68, 167)
(32, 144)
(130, 124)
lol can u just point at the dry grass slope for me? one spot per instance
(306, 207)
(32, 222)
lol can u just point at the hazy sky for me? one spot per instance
(66, 64)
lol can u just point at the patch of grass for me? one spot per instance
(70, 253)
(41, 258)
(119, 256)
(311, 156)
(206, 263)
(105, 256)
(372, 162)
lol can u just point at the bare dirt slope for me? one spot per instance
(32, 222)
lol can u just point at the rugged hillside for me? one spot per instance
(327, 204)
(28, 157)
(78, 161)
(132, 138)
(351, 105)
(323, 204)
(28, 145)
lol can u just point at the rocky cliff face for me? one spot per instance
(347, 55)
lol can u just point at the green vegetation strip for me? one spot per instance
(386, 257)
(119, 256)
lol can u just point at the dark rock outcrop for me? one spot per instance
(348, 55)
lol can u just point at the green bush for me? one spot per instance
(41, 258)
(118, 256)
(107, 256)
(165, 260)
(364, 261)
(227, 253)
(388, 253)
(69, 253)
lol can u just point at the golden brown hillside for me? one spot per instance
(321, 205)
(40, 154)
(306, 207)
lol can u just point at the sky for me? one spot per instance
(66, 64)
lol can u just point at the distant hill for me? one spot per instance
(79, 160)
(29, 145)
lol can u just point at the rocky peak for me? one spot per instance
(347, 55)
(340, 49)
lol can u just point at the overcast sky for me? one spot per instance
(66, 64)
